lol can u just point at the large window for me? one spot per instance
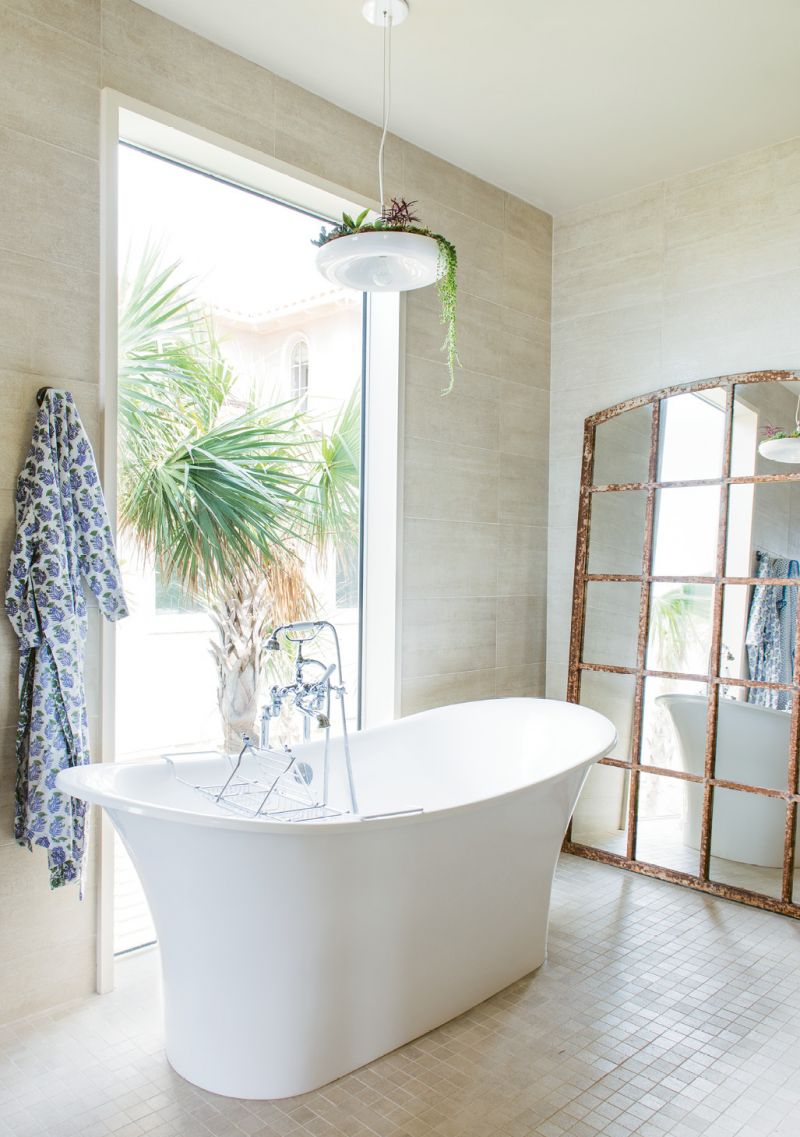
(214, 282)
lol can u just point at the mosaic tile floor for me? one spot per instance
(659, 1011)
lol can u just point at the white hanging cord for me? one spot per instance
(797, 415)
(387, 94)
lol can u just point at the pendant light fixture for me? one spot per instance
(780, 446)
(387, 256)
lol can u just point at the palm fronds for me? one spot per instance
(159, 325)
(334, 498)
(233, 495)
(678, 620)
(201, 493)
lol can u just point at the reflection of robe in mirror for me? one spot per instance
(771, 632)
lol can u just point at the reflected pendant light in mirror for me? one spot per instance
(780, 445)
(394, 259)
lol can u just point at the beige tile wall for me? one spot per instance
(694, 277)
(475, 463)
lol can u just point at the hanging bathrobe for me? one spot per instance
(771, 631)
(63, 538)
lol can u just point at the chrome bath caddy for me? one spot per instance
(266, 783)
(278, 785)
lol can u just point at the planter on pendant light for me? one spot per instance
(780, 445)
(392, 252)
(781, 448)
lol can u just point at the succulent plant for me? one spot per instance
(772, 432)
(399, 217)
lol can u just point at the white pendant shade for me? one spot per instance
(378, 12)
(381, 262)
(780, 449)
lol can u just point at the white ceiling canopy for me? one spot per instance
(561, 102)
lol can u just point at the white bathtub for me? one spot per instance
(292, 953)
(752, 749)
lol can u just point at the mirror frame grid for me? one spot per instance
(786, 904)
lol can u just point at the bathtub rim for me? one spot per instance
(88, 780)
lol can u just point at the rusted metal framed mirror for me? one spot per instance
(685, 634)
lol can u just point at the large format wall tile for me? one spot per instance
(449, 558)
(441, 690)
(49, 202)
(49, 318)
(161, 63)
(427, 178)
(323, 139)
(49, 83)
(79, 19)
(445, 636)
(451, 482)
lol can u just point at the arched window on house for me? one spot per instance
(298, 373)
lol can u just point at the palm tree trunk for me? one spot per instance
(245, 608)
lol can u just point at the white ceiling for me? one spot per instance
(559, 101)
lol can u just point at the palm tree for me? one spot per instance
(250, 601)
(224, 501)
(245, 607)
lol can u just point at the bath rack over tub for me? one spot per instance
(271, 784)
(275, 785)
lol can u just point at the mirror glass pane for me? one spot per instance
(601, 815)
(662, 828)
(679, 633)
(753, 739)
(622, 448)
(763, 522)
(758, 640)
(686, 531)
(747, 841)
(674, 725)
(692, 436)
(760, 408)
(733, 651)
(613, 696)
(617, 532)
(612, 622)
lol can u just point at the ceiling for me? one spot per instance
(561, 102)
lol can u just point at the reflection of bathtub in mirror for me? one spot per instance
(752, 748)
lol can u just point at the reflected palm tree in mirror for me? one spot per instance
(679, 627)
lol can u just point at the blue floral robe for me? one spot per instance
(770, 632)
(63, 538)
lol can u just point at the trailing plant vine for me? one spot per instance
(399, 217)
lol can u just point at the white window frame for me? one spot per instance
(131, 120)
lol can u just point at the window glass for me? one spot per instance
(299, 373)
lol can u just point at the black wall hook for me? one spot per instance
(40, 394)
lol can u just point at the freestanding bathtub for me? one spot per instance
(753, 749)
(294, 953)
